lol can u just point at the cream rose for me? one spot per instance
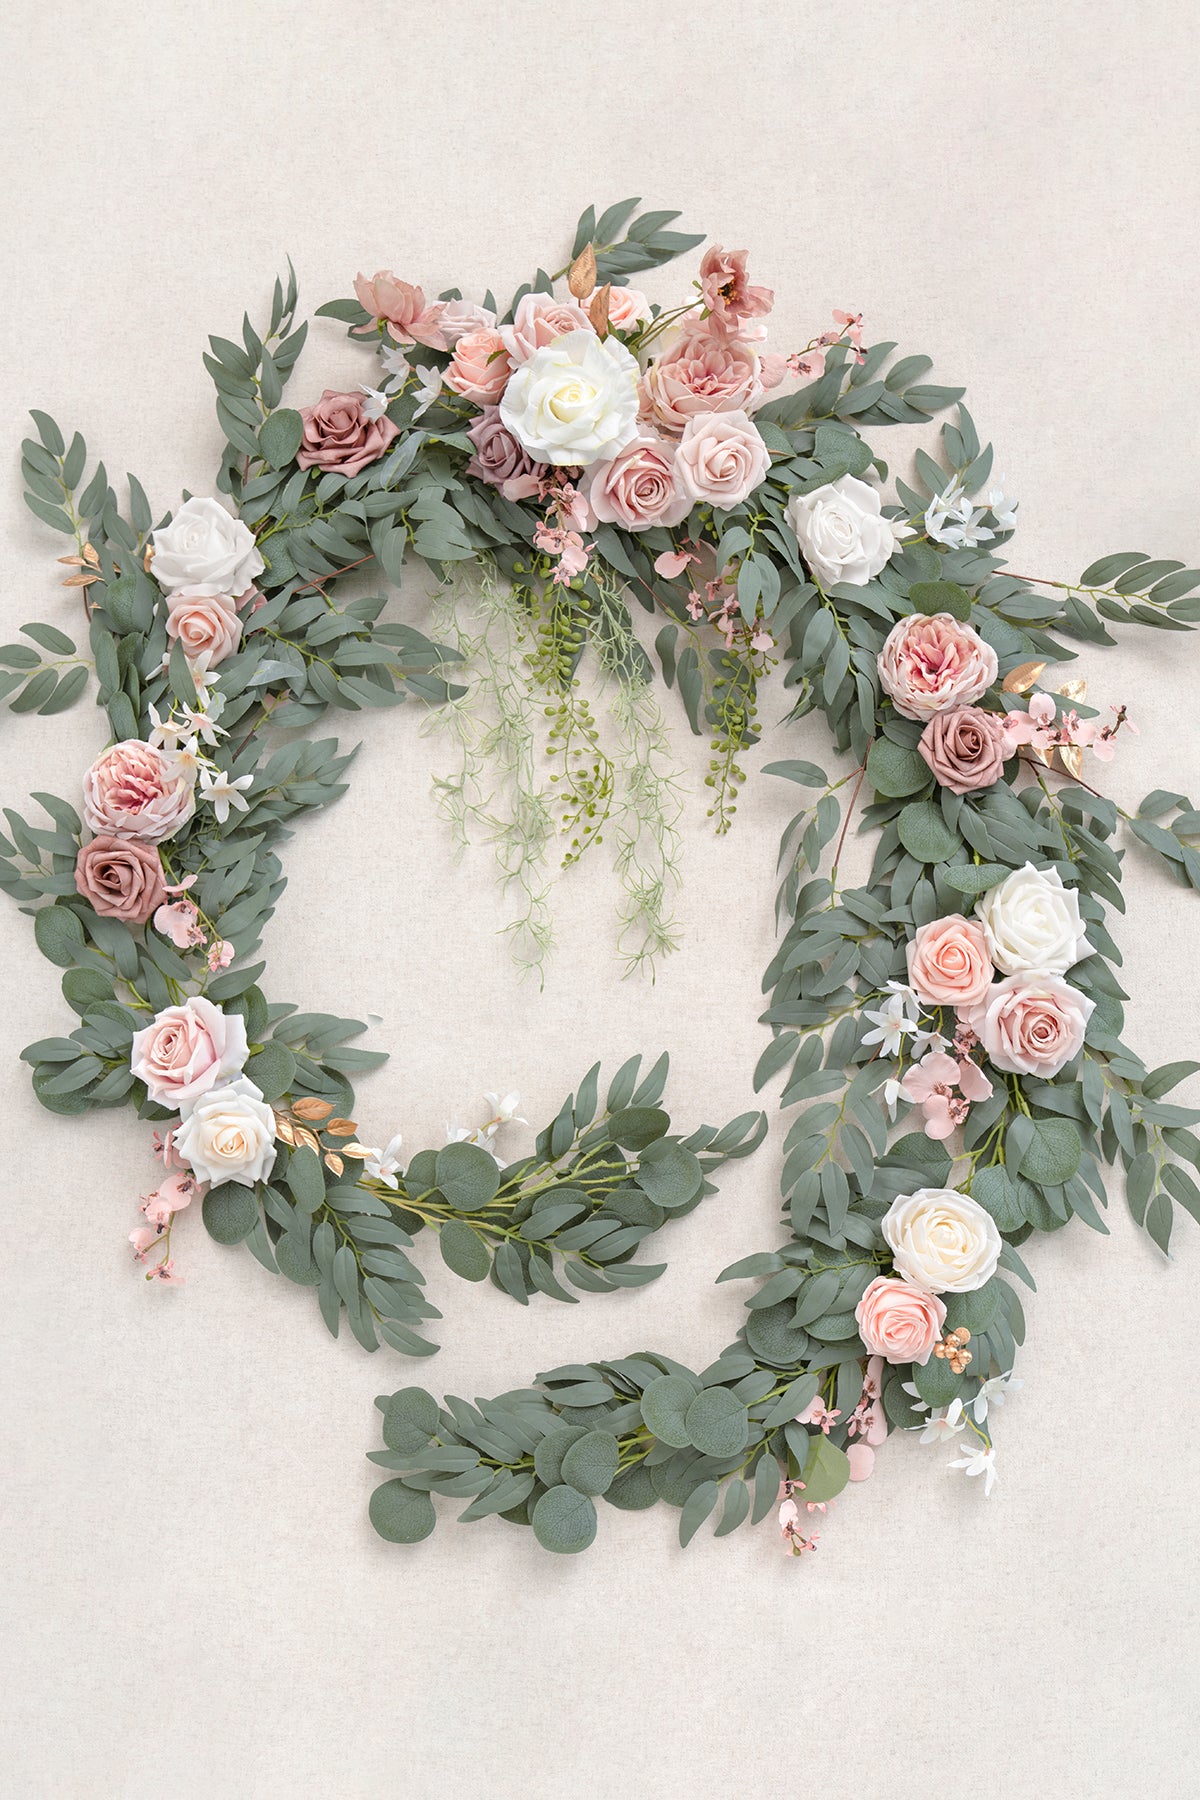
(187, 1050)
(842, 532)
(1032, 921)
(948, 962)
(575, 402)
(1031, 1024)
(206, 550)
(229, 1135)
(941, 1240)
(898, 1321)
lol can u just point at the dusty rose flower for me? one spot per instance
(627, 307)
(498, 457)
(121, 878)
(929, 664)
(538, 320)
(480, 367)
(948, 962)
(721, 458)
(187, 1050)
(729, 297)
(898, 1321)
(638, 488)
(700, 372)
(338, 436)
(134, 790)
(1031, 1024)
(401, 308)
(207, 625)
(965, 748)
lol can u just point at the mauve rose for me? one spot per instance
(930, 664)
(721, 458)
(1031, 1024)
(948, 962)
(538, 320)
(498, 456)
(207, 625)
(134, 790)
(898, 1321)
(638, 488)
(965, 748)
(480, 367)
(401, 307)
(729, 297)
(338, 436)
(700, 373)
(187, 1050)
(121, 878)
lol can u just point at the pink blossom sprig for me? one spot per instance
(1041, 730)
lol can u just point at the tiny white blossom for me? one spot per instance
(893, 1024)
(918, 1405)
(375, 404)
(395, 362)
(504, 1108)
(951, 519)
(978, 1462)
(893, 1093)
(429, 386)
(382, 1165)
(944, 1424)
(928, 1040)
(203, 719)
(994, 1392)
(166, 732)
(221, 792)
(1004, 511)
(187, 759)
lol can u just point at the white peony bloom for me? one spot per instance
(1032, 921)
(575, 402)
(205, 549)
(228, 1134)
(942, 1240)
(842, 532)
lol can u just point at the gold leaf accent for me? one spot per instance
(307, 1138)
(80, 580)
(598, 310)
(1073, 690)
(1022, 678)
(312, 1108)
(283, 1128)
(92, 555)
(581, 278)
(334, 1162)
(341, 1128)
(1071, 758)
(148, 558)
(359, 1152)
(76, 562)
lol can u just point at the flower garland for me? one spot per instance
(583, 451)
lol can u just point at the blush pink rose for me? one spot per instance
(898, 1321)
(929, 664)
(627, 307)
(965, 748)
(1031, 1024)
(207, 625)
(538, 320)
(134, 790)
(948, 962)
(120, 878)
(728, 295)
(638, 488)
(721, 458)
(401, 308)
(338, 436)
(700, 373)
(499, 459)
(480, 367)
(187, 1050)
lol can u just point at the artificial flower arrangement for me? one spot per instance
(949, 1032)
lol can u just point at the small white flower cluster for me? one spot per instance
(384, 1165)
(945, 1423)
(951, 518)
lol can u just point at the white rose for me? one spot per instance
(941, 1240)
(575, 401)
(228, 1134)
(1031, 921)
(842, 532)
(204, 548)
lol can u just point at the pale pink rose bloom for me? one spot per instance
(480, 367)
(700, 372)
(206, 625)
(948, 962)
(966, 748)
(721, 458)
(929, 664)
(187, 1050)
(499, 459)
(401, 308)
(460, 316)
(898, 1321)
(627, 307)
(134, 790)
(1031, 1024)
(121, 878)
(339, 438)
(638, 488)
(538, 320)
(728, 295)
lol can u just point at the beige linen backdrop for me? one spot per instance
(193, 1601)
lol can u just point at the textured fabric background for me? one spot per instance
(194, 1604)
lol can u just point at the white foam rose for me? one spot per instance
(941, 1240)
(1032, 921)
(842, 532)
(206, 549)
(575, 401)
(228, 1134)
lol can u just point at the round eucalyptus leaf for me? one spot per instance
(826, 1470)
(717, 1422)
(272, 1070)
(464, 1251)
(295, 1260)
(898, 1405)
(925, 833)
(975, 1310)
(772, 1336)
(564, 1521)
(632, 1491)
(280, 435)
(409, 1420)
(548, 1456)
(936, 1381)
(467, 1176)
(590, 1464)
(401, 1514)
(230, 1212)
(931, 597)
(83, 988)
(676, 1480)
(669, 1174)
(633, 1207)
(664, 1408)
(894, 770)
(1053, 1153)
(999, 1195)
(59, 934)
(638, 1126)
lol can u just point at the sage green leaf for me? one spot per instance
(717, 1423)
(464, 1251)
(975, 1310)
(974, 878)
(826, 1470)
(696, 1509)
(766, 1486)
(59, 934)
(305, 1178)
(925, 833)
(999, 1195)
(665, 1406)
(230, 1212)
(669, 1174)
(772, 1336)
(737, 1505)
(280, 436)
(272, 1070)
(295, 1259)
(590, 1464)
(548, 1454)
(564, 1521)
(633, 1490)
(936, 1382)
(467, 1176)
(941, 597)
(638, 1127)
(1053, 1153)
(410, 1420)
(893, 770)
(401, 1514)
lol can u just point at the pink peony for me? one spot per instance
(401, 308)
(121, 878)
(134, 790)
(338, 436)
(700, 373)
(948, 962)
(729, 297)
(1031, 1024)
(898, 1321)
(538, 320)
(207, 625)
(721, 458)
(928, 665)
(638, 488)
(966, 748)
(480, 367)
(187, 1050)
(499, 458)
